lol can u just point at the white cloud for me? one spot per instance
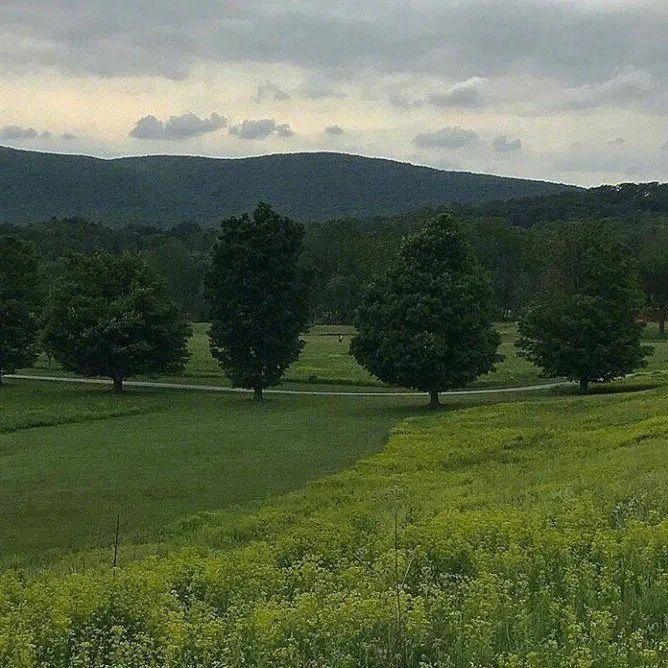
(465, 96)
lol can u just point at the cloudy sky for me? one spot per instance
(568, 90)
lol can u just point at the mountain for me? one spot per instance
(167, 189)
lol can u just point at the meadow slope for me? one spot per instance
(525, 534)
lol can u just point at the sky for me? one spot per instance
(565, 90)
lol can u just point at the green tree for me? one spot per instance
(653, 258)
(19, 304)
(426, 321)
(258, 298)
(107, 315)
(584, 324)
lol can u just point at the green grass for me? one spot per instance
(73, 456)
(527, 534)
(325, 359)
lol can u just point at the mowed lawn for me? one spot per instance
(73, 456)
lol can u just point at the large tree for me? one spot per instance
(426, 322)
(258, 298)
(107, 315)
(19, 304)
(584, 324)
(653, 258)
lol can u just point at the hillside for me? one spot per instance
(170, 189)
(620, 201)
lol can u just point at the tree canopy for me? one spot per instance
(258, 298)
(653, 261)
(584, 324)
(426, 322)
(107, 315)
(19, 304)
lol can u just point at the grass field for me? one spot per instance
(525, 534)
(326, 359)
(508, 531)
(71, 457)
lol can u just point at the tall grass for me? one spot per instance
(525, 534)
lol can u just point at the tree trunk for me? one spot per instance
(662, 322)
(434, 401)
(118, 384)
(0, 376)
(257, 393)
(584, 385)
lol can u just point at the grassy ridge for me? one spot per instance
(524, 534)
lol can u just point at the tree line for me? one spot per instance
(424, 320)
(342, 256)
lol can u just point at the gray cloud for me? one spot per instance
(606, 158)
(632, 88)
(664, 146)
(618, 141)
(447, 39)
(448, 137)
(261, 129)
(311, 91)
(334, 130)
(503, 145)
(67, 136)
(16, 132)
(465, 97)
(270, 91)
(177, 127)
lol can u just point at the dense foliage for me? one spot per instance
(107, 315)
(343, 256)
(258, 298)
(19, 304)
(625, 200)
(426, 322)
(164, 190)
(653, 260)
(526, 535)
(178, 255)
(584, 324)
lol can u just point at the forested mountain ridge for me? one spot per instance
(624, 200)
(168, 189)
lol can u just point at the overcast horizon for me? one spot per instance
(575, 92)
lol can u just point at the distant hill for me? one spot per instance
(625, 200)
(164, 190)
